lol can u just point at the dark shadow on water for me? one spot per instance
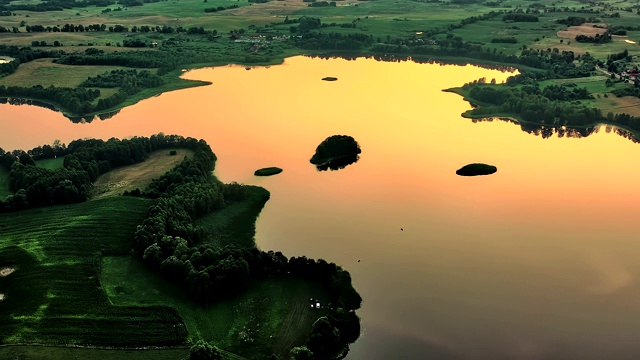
(546, 131)
(74, 119)
(339, 163)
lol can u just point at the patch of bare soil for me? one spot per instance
(6, 271)
(627, 105)
(586, 29)
(128, 178)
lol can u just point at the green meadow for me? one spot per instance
(269, 318)
(51, 164)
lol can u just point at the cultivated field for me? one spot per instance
(138, 176)
(55, 295)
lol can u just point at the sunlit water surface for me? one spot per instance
(538, 261)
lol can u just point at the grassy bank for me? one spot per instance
(270, 317)
(236, 223)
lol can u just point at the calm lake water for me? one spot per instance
(538, 261)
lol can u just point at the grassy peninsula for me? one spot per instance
(334, 148)
(171, 266)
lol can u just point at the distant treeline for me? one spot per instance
(220, 8)
(59, 5)
(81, 100)
(518, 17)
(74, 28)
(554, 106)
(558, 64)
(77, 100)
(322, 4)
(54, 5)
(507, 40)
(597, 38)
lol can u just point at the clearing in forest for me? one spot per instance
(586, 29)
(139, 176)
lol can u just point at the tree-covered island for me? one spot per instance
(335, 148)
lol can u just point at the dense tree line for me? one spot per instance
(507, 40)
(164, 59)
(565, 93)
(597, 38)
(557, 64)
(23, 55)
(85, 160)
(126, 79)
(518, 17)
(55, 5)
(322, 4)
(77, 100)
(220, 8)
(534, 107)
(575, 21)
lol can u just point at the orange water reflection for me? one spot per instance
(538, 261)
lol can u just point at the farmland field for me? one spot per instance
(128, 178)
(55, 297)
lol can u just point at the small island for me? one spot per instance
(330, 78)
(335, 148)
(476, 169)
(268, 171)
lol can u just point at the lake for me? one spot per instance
(540, 260)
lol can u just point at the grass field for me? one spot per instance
(271, 317)
(51, 164)
(128, 178)
(596, 86)
(55, 297)
(235, 224)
